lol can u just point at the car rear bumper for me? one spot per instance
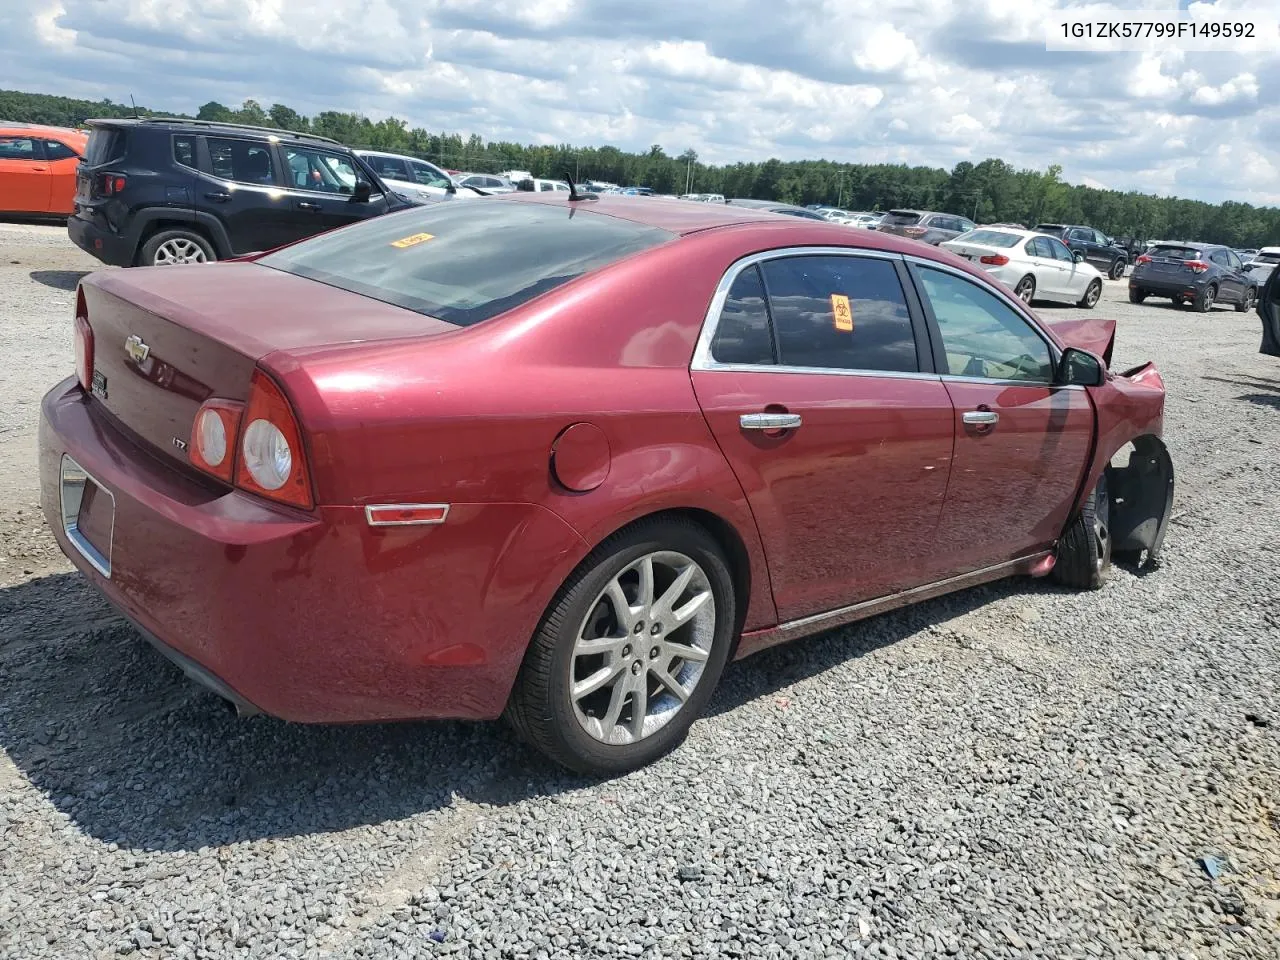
(1167, 286)
(111, 248)
(310, 617)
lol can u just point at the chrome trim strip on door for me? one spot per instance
(71, 483)
(869, 607)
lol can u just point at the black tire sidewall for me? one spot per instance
(1117, 269)
(587, 754)
(148, 252)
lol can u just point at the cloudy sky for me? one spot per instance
(915, 81)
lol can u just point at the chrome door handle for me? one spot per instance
(769, 421)
(981, 417)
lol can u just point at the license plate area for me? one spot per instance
(88, 515)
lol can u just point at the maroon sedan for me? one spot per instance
(563, 459)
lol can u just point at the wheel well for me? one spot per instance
(162, 224)
(1140, 478)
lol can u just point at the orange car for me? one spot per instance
(38, 168)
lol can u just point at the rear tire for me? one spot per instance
(1092, 294)
(1117, 269)
(172, 247)
(1026, 289)
(1137, 296)
(1245, 305)
(1203, 302)
(594, 729)
(1084, 552)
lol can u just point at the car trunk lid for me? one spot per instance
(165, 339)
(903, 223)
(1176, 262)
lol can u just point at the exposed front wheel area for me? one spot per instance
(631, 650)
(1084, 552)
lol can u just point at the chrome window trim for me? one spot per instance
(702, 358)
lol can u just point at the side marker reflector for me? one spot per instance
(405, 514)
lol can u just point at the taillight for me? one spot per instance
(995, 259)
(83, 344)
(915, 231)
(272, 462)
(110, 184)
(213, 437)
(1142, 259)
(1197, 266)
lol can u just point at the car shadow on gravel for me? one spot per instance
(771, 670)
(118, 740)
(58, 279)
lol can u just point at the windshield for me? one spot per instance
(1266, 258)
(898, 218)
(465, 263)
(989, 238)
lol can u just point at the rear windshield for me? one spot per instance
(105, 144)
(898, 218)
(1171, 252)
(467, 261)
(990, 238)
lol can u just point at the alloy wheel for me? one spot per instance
(642, 648)
(1026, 289)
(1093, 293)
(178, 250)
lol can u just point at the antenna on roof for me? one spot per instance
(573, 190)
(135, 108)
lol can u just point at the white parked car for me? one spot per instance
(1263, 262)
(515, 176)
(1034, 266)
(415, 179)
(545, 186)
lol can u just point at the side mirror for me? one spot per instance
(362, 192)
(451, 188)
(1077, 256)
(1079, 368)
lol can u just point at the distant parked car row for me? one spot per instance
(1197, 275)
(38, 168)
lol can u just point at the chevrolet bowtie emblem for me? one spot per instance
(137, 350)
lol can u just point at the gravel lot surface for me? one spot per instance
(1014, 771)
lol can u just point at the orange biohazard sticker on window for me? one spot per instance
(842, 312)
(412, 241)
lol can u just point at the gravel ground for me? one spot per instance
(1014, 771)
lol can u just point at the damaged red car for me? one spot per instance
(561, 458)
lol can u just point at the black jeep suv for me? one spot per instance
(160, 191)
(1099, 249)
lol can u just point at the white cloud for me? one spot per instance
(913, 81)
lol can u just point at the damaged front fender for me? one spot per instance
(1130, 410)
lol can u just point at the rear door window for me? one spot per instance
(1220, 258)
(466, 262)
(841, 313)
(427, 175)
(1039, 247)
(389, 168)
(242, 161)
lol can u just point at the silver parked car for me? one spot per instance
(925, 225)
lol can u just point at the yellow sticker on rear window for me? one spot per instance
(842, 312)
(412, 241)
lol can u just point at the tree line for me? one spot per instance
(991, 191)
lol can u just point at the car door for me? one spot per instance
(832, 421)
(322, 187)
(1022, 444)
(25, 184)
(239, 181)
(1240, 274)
(1072, 277)
(62, 161)
(1230, 282)
(1050, 271)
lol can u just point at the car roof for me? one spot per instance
(682, 217)
(42, 129)
(213, 126)
(1016, 231)
(1271, 250)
